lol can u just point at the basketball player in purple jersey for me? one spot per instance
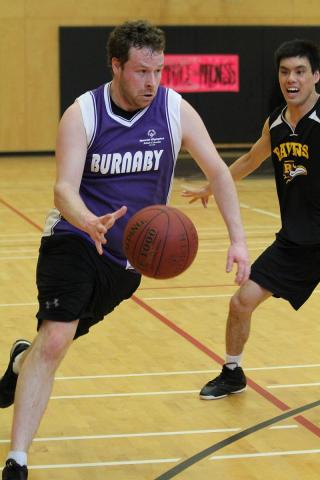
(289, 267)
(116, 152)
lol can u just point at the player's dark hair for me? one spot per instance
(138, 34)
(299, 48)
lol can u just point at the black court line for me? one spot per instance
(234, 438)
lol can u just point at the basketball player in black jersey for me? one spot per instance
(290, 267)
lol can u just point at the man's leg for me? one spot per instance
(35, 381)
(242, 304)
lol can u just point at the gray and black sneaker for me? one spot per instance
(14, 471)
(8, 382)
(228, 382)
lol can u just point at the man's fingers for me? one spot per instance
(109, 218)
(243, 273)
(240, 274)
(101, 229)
(120, 212)
(204, 201)
(99, 247)
(187, 192)
(229, 264)
(243, 269)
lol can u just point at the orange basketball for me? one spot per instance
(160, 241)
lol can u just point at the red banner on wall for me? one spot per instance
(201, 73)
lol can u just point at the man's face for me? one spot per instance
(137, 81)
(297, 82)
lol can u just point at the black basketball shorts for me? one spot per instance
(75, 282)
(288, 271)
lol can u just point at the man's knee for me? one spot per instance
(241, 303)
(54, 338)
(247, 298)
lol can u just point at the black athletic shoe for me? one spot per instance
(9, 380)
(229, 381)
(14, 471)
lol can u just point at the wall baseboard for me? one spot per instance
(36, 153)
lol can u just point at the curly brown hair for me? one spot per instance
(138, 34)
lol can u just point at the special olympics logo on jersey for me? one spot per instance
(151, 133)
(152, 138)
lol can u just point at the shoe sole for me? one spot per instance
(211, 397)
(19, 342)
(14, 346)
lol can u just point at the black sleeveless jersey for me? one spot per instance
(296, 162)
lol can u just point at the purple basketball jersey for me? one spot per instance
(129, 162)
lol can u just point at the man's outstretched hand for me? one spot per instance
(202, 193)
(98, 227)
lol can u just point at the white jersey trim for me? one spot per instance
(174, 120)
(174, 126)
(53, 217)
(314, 117)
(89, 115)
(277, 121)
(118, 118)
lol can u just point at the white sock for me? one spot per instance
(16, 363)
(20, 457)
(233, 361)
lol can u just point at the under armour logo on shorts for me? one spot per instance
(53, 304)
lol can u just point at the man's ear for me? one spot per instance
(115, 65)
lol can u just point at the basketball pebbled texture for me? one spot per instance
(160, 241)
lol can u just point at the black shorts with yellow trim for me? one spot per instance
(288, 270)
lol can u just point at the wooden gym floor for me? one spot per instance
(125, 403)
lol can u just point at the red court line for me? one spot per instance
(264, 393)
(172, 287)
(257, 388)
(20, 214)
